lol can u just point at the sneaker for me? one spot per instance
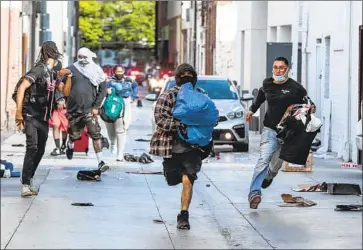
(255, 200)
(120, 159)
(25, 191)
(63, 149)
(266, 183)
(183, 222)
(33, 188)
(69, 152)
(103, 166)
(55, 152)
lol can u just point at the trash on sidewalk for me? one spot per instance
(83, 204)
(308, 188)
(158, 221)
(352, 207)
(290, 201)
(7, 170)
(17, 145)
(89, 175)
(143, 140)
(144, 158)
(343, 189)
(144, 172)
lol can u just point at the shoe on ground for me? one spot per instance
(183, 222)
(254, 201)
(103, 166)
(119, 159)
(266, 183)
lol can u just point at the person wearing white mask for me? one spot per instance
(280, 92)
(84, 99)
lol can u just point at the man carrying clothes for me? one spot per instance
(34, 96)
(280, 92)
(86, 95)
(182, 162)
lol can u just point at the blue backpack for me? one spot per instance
(198, 113)
(113, 108)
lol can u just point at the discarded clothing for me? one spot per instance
(290, 201)
(352, 207)
(308, 188)
(144, 158)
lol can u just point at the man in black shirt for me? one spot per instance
(34, 96)
(280, 92)
(84, 98)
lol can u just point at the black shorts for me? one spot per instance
(78, 123)
(188, 163)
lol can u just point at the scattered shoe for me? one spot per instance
(254, 201)
(103, 166)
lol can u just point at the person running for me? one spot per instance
(182, 161)
(127, 89)
(280, 92)
(34, 96)
(59, 123)
(84, 99)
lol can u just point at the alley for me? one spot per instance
(139, 211)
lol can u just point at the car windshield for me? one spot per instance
(216, 89)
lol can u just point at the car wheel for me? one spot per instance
(242, 147)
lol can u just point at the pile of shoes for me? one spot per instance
(144, 158)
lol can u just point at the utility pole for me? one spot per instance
(70, 7)
(195, 35)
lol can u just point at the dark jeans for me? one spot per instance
(36, 132)
(78, 123)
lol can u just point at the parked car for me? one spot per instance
(232, 128)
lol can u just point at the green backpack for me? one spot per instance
(113, 108)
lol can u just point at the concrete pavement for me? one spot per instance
(128, 208)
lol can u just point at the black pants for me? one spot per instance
(36, 132)
(188, 163)
(78, 123)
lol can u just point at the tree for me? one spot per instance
(111, 21)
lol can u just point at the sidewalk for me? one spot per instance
(126, 205)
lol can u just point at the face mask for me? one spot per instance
(83, 62)
(186, 79)
(57, 66)
(120, 76)
(279, 78)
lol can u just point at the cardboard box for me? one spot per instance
(308, 167)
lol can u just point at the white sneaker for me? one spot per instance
(33, 188)
(25, 191)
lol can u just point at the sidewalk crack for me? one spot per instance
(235, 207)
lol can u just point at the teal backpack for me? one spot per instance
(113, 108)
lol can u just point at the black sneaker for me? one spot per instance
(69, 152)
(183, 221)
(63, 149)
(266, 183)
(103, 166)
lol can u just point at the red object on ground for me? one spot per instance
(82, 144)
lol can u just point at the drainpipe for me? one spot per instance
(348, 145)
(6, 125)
(33, 30)
(195, 35)
(70, 5)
